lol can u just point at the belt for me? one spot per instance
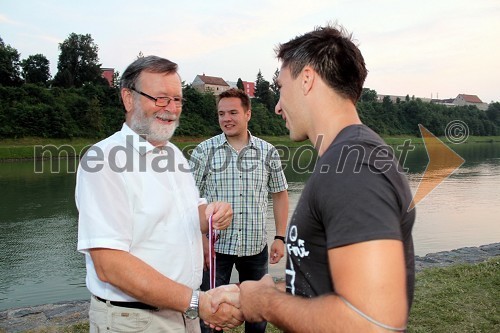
(130, 305)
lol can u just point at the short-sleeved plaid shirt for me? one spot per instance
(244, 180)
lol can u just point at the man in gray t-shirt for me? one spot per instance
(349, 247)
(357, 193)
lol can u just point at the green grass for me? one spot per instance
(459, 299)
(77, 328)
(24, 148)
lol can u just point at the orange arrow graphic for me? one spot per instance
(443, 161)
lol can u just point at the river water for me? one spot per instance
(38, 220)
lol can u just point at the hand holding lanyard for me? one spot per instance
(213, 236)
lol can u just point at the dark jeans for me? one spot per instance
(249, 268)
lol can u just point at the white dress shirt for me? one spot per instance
(135, 198)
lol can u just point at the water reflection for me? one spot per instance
(461, 211)
(38, 233)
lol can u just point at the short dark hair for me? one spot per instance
(333, 55)
(237, 93)
(151, 64)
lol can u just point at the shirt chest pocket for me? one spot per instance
(169, 215)
(254, 173)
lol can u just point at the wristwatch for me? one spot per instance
(192, 311)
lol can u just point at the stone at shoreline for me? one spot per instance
(58, 315)
(462, 255)
(51, 316)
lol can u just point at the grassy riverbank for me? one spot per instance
(24, 148)
(460, 299)
(28, 148)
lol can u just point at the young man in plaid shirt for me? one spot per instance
(242, 170)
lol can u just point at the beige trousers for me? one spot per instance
(104, 317)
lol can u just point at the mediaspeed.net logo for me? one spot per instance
(443, 161)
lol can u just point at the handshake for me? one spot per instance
(228, 306)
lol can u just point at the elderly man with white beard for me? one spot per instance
(141, 218)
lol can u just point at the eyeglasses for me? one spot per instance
(162, 101)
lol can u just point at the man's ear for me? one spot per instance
(127, 98)
(249, 114)
(308, 76)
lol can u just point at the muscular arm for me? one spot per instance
(370, 275)
(280, 210)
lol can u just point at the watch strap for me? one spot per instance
(282, 238)
(195, 299)
(192, 311)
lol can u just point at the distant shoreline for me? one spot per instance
(74, 312)
(12, 150)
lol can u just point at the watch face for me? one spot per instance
(192, 312)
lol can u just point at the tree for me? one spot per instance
(36, 69)
(79, 60)
(368, 95)
(239, 84)
(9, 65)
(274, 84)
(387, 102)
(275, 87)
(493, 112)
(116, 79)
(199, 113)
(263, 92)
(259, 91)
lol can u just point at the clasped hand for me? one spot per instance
(221, 213)
(220, 307)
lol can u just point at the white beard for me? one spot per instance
(149, 128)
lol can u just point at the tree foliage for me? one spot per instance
(95, 111)
(493, 113)
(36, 69)
(116, 79)
(368, 95)
(10, 74)
(275, 87)
(199, 113)
(239, 84)
(80, 102)
(263, 92)
(78, 62)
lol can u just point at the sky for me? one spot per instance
(423, 48)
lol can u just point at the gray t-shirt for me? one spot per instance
(356, 193)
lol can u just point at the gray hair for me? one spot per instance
(151, 64)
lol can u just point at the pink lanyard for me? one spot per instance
(213, 236)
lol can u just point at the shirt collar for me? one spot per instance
(135, 141)
(221, 140)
